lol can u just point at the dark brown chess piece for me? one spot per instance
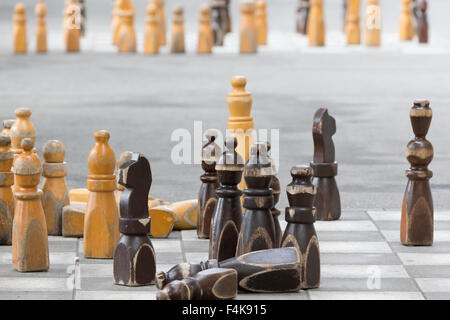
(276, 190)
(416, 228)
(422, 21)
(257, 228)
(212, 284)
(219, 21)
(302, 16)
(134, 256)
(300, 232)
(228, 213)
(6, 194)
(207, 194)
(328, 201)
(265, 271)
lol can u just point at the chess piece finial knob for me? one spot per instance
(54, 151)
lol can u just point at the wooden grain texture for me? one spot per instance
(219, 23)
(29, 234)
(257, 228)
(20, 29)
(316, 24)
(261, 22)
(417, 224)
(212, 284)
(72, 31)
(152, 30)
(126, 35)
(300, 232)
(352, 28)
(406, 27)
(248, 34)
(101, 223)
(134, 256)
(184, 213)
(6, 194)
(41, 27)
(372, 30)
(227, 217)
(422, 21)
(205, 33)
(177, 38)
(264, 271)
(327, 201)
(301, 23)
(209, 182)
(73, 219)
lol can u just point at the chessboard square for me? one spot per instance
(354, 247)
(434, 284)
(167, 246)
(84, 260)
(349, 236)
(429, 271)
(357, 214)
(61, 239)
(437, 247)
(36, 295)
(114, 295)
(362, 271)
(55, 271)
(196, 256)
(96, 270)
(365, 295)
(169, 257)
(163, 267)
(395, 225)
(196, 245)
(54, 257)
(301, 295)
(62, 246)
(437, 295)
(175, 234)
(189, 234)
(385, 215)
(425, 259)
(341, 225)
(359, 258)
(106, 284)
(371, 283)
(35, 284)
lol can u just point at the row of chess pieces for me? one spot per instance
(215, 23)
(247, 248)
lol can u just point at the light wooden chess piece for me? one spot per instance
(29, 236)
(177, 41)
(261, 22)
(7, 124)
(126, 37)
(115, 21)
(54, 187)
(6, 195)
(162, 22)
(205, 32)
(372, 33)
(101, 223)
(406, 28)
(72, 28)
(20, 29)
(316, 24)
(41, 27)
(152, 32)
(248, 31)
(352, 28)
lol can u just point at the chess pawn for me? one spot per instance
(302, 17)
(352, 28)
(416, 227)
(219, 21)
(300, 232)
(261, 21)
(205, 33)
(327, 201)
(126, 37)
(422, 21)
(162, 22)
(207, 195)
(41, 28)
(248, 31)
(406, 28)
(240, 122)
(7, 124)
(212, 284)
(227, 217)
(265, 271)
(6, 195)
(101, 222)
(276, 190)
(29, 235)
(316, 24)
(20, 29)
(54, 188)
(115, 21)
(134, 256)
(177, 41)
(372, 33)
(72, 26)
(257, 228)
(151, 40)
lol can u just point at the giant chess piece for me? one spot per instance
(316, 24)
(134, 256)
(219, 21)
(6, 195)
(422, 21)
(101, 222)
(227, 217)
(115, 21)
(152, 32)
(207, 195)
(29, 235)
(352, 28)
(416, 228)
(228, 16)
(55, 194)
(41, 27)
(261, 22)
(205, 32)
(276, 190)
(300, 232)
(177, 40)
(248, 34)
(372, 31)
(211, 284)
(264, 271)
(162, 21)
(20, 29)
(72, 26)
(126, 36)
(406, 28)
(257, 228)
(328, 201)
(302, 17)
(7, 124)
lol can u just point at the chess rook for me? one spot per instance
(406, 28)
(302, 17)
(257, 228)
(20, 29)
(422, 21)
(7, 124)
(152, 32)
(219, 21)
(207, 195)
(372, 31)
(29, 235)
(300, 232)
(352, 28)
(211, 284)
(316, 24)
(41, 27)
(265, 271)
(6, 195)
(276, 190)
(416, 228)
(248, 33)
(134, 256)
(126, 37)
(101, 223)
(205, 33)
(227, 217)
(55, 195)
(327, 201)
(261, 21)
(177, 41)
(72, 31)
